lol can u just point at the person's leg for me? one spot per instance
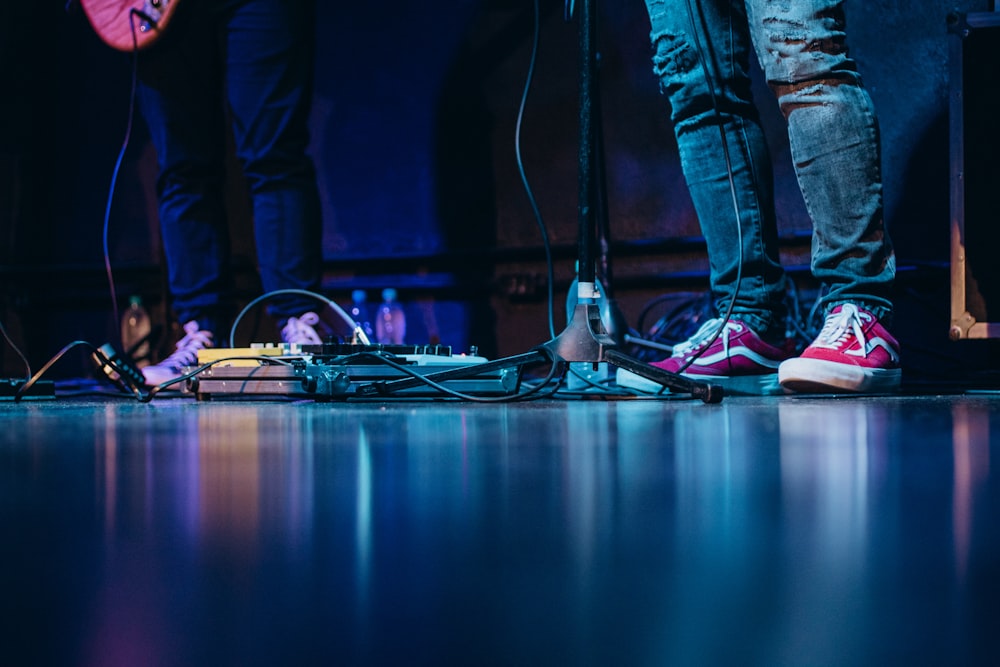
(702, 58)
(181, 100)
(834, 139)
(269, 65)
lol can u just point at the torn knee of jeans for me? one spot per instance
(674, 55)
(794, 47)
(801, 94)
(803, 90)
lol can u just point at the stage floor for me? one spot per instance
(767, 531)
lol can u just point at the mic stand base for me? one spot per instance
(708, 393)
(584, 340)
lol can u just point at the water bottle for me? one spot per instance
(135, 332)
(390, 325)
(359, 312)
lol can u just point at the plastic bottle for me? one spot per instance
(135, 332)
(359, 312)
(390, 325)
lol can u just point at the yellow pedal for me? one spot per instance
(243, 356)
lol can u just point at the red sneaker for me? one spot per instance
(853, 353)
(738, 360)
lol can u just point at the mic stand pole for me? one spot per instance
(585, 338)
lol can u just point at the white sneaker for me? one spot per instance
(301, 331)
(186, 356)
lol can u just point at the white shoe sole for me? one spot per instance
(818, 376)
(741, 385)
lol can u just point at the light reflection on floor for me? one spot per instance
(758, 531)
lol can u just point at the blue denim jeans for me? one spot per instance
(249, 62)
(833, 135)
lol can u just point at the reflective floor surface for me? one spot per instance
(760, 531)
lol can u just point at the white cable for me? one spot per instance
(355, 327)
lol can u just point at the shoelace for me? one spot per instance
(840, 327)
(705, 334)
(187, 348)
(300, 330)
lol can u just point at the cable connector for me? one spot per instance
(119, 368)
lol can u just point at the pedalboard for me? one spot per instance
(338, 371)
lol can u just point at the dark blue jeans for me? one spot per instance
(833, 134)
(249, 62)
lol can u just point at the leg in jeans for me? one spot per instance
(834, 139)
(180, 97)
(266, 81)
(702, 59)
(269, 64)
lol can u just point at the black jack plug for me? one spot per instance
(119, 368)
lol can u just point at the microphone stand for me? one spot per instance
(585, 339)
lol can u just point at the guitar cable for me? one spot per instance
(118, 165)
(123, 369)
(705, 62)
(532, 201)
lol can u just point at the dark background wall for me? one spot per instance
(414, 139)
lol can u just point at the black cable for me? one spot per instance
(803, 329)
(534, 392)
(546, 244)
(708, 76)
(114, 174)
(603, 388)
(143, 396)
(729, 171)
(10, 341)
(276, 361)
(104, 361)
(355, 327)
(689, 300)
(522, 396)
(98, 354)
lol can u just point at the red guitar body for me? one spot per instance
(129, 24)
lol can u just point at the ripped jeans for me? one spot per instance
(833, 135)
